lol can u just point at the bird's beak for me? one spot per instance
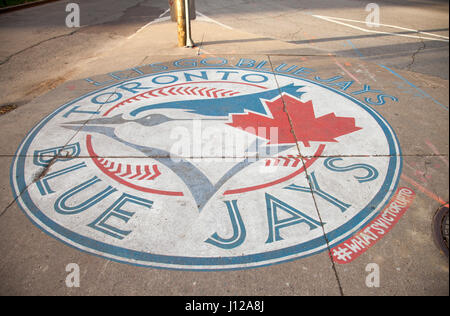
(100, 121)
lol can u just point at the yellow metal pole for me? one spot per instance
(189, 41)
(181, 21)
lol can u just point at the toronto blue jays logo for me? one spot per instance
(207, 169)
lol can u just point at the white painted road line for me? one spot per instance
(338, 21)
(161, 18)
(208, 19)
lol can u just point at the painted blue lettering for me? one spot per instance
(275, 224)
(239, 233)
(116, 210)
(62, 206)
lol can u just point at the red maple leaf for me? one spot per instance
(307, 127)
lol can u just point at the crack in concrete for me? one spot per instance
(200, 47)
(284, 106)
(7, 59)
(13, 202)
(333, 265)
(91, 117)
(45, 170)
(37, 178)
(210, 157)
(37, 44)
(413, 56)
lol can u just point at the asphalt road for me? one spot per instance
(297, 22)
(40, 34)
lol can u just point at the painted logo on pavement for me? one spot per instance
(208, 169)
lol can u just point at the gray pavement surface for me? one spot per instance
(44, 64)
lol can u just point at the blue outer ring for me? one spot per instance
(214, 263)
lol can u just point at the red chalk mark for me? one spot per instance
(419, 174)
(367, 237)
(423, 190)
(436, 151)
(345, 70)
(311, 42)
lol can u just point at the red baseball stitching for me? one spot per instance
(131, 172)
(289, 161)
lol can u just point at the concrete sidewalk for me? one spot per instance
(410, 106)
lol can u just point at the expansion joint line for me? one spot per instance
(309, 183)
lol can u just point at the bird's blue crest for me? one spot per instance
(225, 106)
